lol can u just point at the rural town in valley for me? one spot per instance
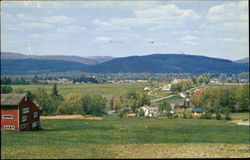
(129, 79)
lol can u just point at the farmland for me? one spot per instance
(134, 137)
(107, 90)
(114, 137)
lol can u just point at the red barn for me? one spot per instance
(19, 113)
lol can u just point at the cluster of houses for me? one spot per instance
(149, 111)
(60, 81)
(127, 81)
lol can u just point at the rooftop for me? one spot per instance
(197, 109)
(11, 99)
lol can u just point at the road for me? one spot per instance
(159, 99)
(149, 93)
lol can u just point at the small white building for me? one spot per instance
(142, 81)
(150, 111)
(166, 87)
(174, 81)
(183, 95)
(214, 81)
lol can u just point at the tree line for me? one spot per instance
(222, 100)
(75, 103)
(186, 84)
(38, 80)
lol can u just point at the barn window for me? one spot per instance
(34, 124)
(25, 110)
(24, 118)
(9, 127)
(35, 114)
(23, 126)
(7, 117)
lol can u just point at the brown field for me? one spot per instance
(70, 117)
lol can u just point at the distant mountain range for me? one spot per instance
(18, 64)
(83, 60)
(243, 60)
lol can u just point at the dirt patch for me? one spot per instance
(240, 122)
(69, 117)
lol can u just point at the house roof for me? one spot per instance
(150, 108)
(11, 99)
(197, 109)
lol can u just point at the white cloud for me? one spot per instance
(79, 4)
(228, 11)
(103, 39)
(227, 17)
(169, 16)
(35, 25)
(7, 18)
(227, 26)
(25, 17)
(57, 19)
(70, 29)
(167, 12)
(37, 36)
(241, 40)
(161, 43)
(189, 38)
(191, 42)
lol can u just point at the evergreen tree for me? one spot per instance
(54, 90)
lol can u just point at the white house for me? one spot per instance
(150, 111)
(166, 87)
(147, 89)
(183, 95)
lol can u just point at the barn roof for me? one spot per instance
(11, 99)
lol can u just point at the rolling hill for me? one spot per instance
(155, 63)
(83, 60)
(243, 60)
(168, 63)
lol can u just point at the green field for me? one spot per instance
(160, 93)
(240, 116)
(114, 137)
(107, 89)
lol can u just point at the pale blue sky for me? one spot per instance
(119, 29)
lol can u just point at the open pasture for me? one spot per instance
(106, 89)
(114, 137)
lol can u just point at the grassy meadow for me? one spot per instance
(106, 89)
(240, 116)
(114, 137)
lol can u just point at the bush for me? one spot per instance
(206, 116)
(141, 113)
(169, 115)
(228, 118)
(184, 115)
(218, 116)
(6, 89)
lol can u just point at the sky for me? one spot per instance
(125, 28)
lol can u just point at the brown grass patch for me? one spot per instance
(70, 117)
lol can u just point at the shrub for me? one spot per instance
(206, 116)
(218, 116)
(141, 113)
